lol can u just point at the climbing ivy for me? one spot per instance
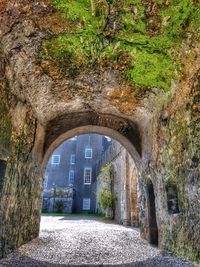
(139, 38)
(106, 195)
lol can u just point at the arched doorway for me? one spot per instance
(123, 130)
(152, 222)
(114, 158)
(46, 139)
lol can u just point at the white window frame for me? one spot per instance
(53, 160)
(91, 152)
(85, 169)
(72, 159)
(69, 177)
(86, 203)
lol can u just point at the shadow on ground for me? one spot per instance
(160, 261)
(80, 218)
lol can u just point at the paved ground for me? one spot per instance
(87, 241)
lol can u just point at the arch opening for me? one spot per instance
(68, 125)
(123, 140)
(93, 157)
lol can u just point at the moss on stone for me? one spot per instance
(147, 35)
(182, 246)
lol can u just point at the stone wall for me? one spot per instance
(179, 163)
(175, 164)
(156, 106)
(64, 196)
(20, 193)
(117, 162)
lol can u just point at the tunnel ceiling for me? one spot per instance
(64, 57)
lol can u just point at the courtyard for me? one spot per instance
(89, 241)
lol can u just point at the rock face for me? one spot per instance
(130, 68)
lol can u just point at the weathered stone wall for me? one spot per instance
(179, 163)
(137, 61)
(117, 162)
(64, 196)
(20, 186)
(176, 163)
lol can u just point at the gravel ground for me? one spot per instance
(88, 241)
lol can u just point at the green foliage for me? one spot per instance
(149, 42)
(106, 168)
(59, 206)
(107, 199)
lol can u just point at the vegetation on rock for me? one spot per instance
(107, 196)
(139, 38)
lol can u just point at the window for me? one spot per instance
(88, 153)
(172, 199)
(45, 181)
(86, 204)
(55, 159)
(73, 159)
(87, 175)
(71, 177)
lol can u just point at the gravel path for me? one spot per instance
(87, 241)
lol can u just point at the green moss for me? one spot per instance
(151, 69)
(148, 41)
(81, 11)
(177, 17)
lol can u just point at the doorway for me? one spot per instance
(152, 222)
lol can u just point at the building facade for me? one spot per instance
(73, 166)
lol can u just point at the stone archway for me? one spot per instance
(120, 129)
(92, 129)
(40, 144)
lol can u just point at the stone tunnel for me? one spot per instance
(41, 107)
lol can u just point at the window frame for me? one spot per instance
(89, 202)
(52, 159)
(91, 153)
(87, 168)
(73, 156)
(69, 177)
